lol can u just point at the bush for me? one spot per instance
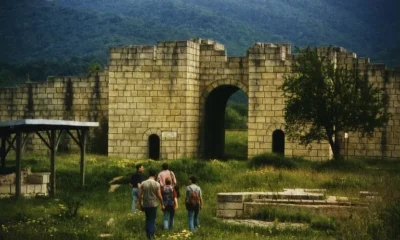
(271, 159)
(348, 165)
(233, 119)
(390, 216)
(323, 223)
(318, 222)
(283, 215)
(202, 169)
(235, 145)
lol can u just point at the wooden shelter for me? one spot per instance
(13, 135)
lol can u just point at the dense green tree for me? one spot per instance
(236, 116)
(14, 74)
(324, 101)
(38, 30)
(6, 76)
(95, 67)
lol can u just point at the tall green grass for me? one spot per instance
(275, 214)
(44, 218)
(235, 144)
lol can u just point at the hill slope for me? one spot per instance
(51, 30)
(364, 26)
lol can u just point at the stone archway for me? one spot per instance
(212, 107)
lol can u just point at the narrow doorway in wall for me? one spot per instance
(278, 142)
(154, 147)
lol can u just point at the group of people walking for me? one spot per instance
(162, 189)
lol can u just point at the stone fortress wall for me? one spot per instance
(79, 98)
(171, 97)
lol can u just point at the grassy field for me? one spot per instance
(44, 218)
(235, 144)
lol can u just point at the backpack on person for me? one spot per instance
(168, 195)
(194, 199)
(176, 187)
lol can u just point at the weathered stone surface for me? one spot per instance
(28, 189)
(230, 206)
(5, 189)
(366, 194)
(264, 224)
(38, 178)
(148, 90)
(230, 197)
(227, 213)
(7, 179)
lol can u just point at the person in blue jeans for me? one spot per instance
(194, 203)
(136, 179)
(170, 202)
(149, 197)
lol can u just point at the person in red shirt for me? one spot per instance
(164, 174)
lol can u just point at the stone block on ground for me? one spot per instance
(7, 179)
(230, 206)
(38, 178)
(367, 194)
(5, 189)
(228, 213)
(113, 187)
(230, 197)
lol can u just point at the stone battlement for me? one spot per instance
(175, 92)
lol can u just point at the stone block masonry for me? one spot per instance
(79, 98)
(33, 184)
(167, 101)
(244, 205)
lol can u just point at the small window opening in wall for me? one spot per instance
(154, 147)
(278, 142)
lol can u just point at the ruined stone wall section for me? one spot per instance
(189, 145)
(82, 98)
(268, 66)
(215, 65)
(162, 90)
(154, 87)
(385, 141)
(217, 70)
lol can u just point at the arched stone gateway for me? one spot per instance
(212, 109)
(177, 90)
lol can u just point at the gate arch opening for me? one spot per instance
(154, 147)
(213, 130)
(278, 142)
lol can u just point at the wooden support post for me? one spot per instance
(52, 163)
(82, 145)
(3, 151)
(18, 164)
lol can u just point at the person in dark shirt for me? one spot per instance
(136, 179)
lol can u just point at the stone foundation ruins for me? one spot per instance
(244, 205)
(33, 184)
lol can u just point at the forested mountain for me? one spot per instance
(39, 31)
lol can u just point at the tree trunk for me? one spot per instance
(338, 144)
(334, 142)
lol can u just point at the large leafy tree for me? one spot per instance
(323, 101)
